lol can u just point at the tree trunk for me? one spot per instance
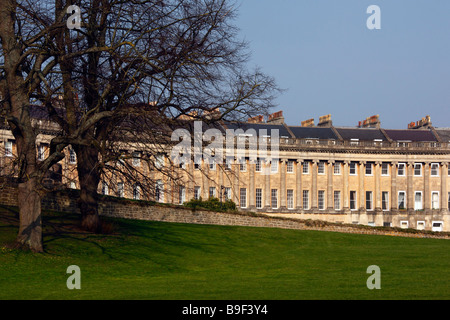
(89, 178)
(30, 229)
(29, 196)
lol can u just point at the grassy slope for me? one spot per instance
(153, 260)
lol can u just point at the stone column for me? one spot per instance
(345, 191)
(221, 187)
(427, 190)
(191, 183)
(314, 185)
(330, 195)
(235, 172)
(362, 195)
(409, 188)
(283, 191)
(267, 195)
(251, 185)
(444, 195)
(377, 195)
(298, 185)
(394, 197)
(166, 190)
(205, 179)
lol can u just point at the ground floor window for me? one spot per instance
(321, 199)
(136, 192)
(435, 200)
(274, 198)
(105, 189)
(120, 190)
(8, 148)
(182, 194)
(258, 198)
(159, 191)
(385, 200)
(227, 193)
(305, 199)
(212, 192)
(243, 198)
(337, 200)
(369, 204)
(197, 193)
(402, 200)
(290, 199)
(352, 200)
(418, 200)
(448, 198)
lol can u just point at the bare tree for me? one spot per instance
(149, 59)
(176, 58)
(26, 33)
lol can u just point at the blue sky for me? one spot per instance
(330, 63)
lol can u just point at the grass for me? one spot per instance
(155, 260)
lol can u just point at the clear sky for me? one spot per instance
(322, 52)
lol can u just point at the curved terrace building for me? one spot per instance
(362, 175)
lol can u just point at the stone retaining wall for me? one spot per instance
(66, 201)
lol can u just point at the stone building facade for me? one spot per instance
(361, 175)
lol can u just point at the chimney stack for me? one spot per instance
(257, 119)
(370, 122)
(213, 113)
(325, 121)
(276, 118)
(423, 123)
(308, 123)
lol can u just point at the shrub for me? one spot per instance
(212, 204)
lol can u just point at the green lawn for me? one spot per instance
(153, 260)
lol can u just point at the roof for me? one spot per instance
(259, 127)
(313, 133)
(410, 135)
(444, 134)
(40, 112)
(361, 134)
(267, 129)
(193, 125)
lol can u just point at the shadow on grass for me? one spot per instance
(61, 227)
(157, 247)
(128, 241)
(56, 227)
